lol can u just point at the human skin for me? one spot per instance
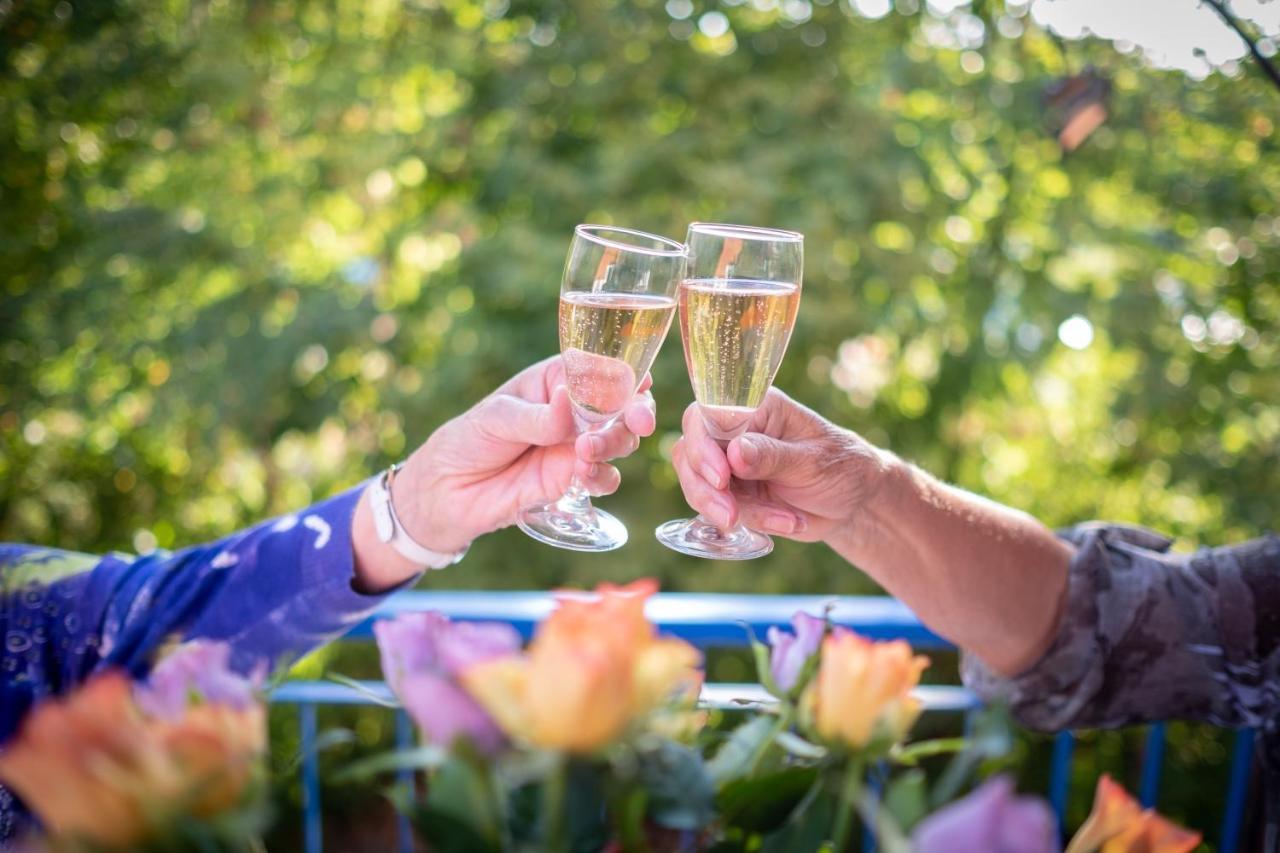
(987, 577)
(515, 448)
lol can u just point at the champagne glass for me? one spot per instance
(737, 308)
(617, 300)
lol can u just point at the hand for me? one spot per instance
(513, 449)
(794, 473)
(518, 447)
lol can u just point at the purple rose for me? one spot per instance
(196, 670)
(422, 655)
(991, 818)
(792, 651)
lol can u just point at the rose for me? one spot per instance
(1118, 824)
(863, 690)
(990, 818)
(422, 656)
(96, 768)
(790, 652)
(594, 667)
(196, 670)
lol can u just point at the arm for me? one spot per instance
(293, 583)
(986, 577)
(1100, 627)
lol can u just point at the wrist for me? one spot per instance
(884, 485)
(420, 500)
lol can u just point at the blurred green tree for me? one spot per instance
(252, 251)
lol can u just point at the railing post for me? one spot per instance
(1152, 763)
(1060, 776)
(1237, 791)
(312, 831)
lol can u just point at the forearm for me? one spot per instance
(987, 577)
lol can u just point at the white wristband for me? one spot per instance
(392, 532)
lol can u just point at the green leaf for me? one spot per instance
(763, 803)
(907, 798)
(888, 832)
(420, 758)
(446, 832)
(681, 794)
(326, 740)
(627, 808)
(461, 786)
(764, 672)
(735, 758)
(808, 827)
(799, 747)
(990, 738)
(373, 696)
(911, 754)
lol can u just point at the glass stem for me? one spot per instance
(576, 500)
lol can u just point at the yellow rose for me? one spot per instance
(594, 667)
(96, 770)
(1118, 824)
(863, 689)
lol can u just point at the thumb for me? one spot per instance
(518, 421)
(755, 456)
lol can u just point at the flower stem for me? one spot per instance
(848, 805)
(555, 808)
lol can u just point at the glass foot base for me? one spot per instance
(699, 538)
(593, 531)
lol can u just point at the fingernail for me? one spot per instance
(596, 444)
(712, 475)
(593, 471)
(783, 522)
(749, 451)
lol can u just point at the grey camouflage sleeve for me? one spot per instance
(1148, 635)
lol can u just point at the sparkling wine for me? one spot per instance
(735, 332)
(608, 342)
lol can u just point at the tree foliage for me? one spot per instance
(250, 252)
(253, 251)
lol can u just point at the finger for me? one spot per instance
(641, 414)
(600, 478)
(755, 456)
(771, 518)
(714, 504)
(537, 382)
(645, 384)
(518, 421)
(612, 443)
(705, 455)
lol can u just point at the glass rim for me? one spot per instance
(746, 232)
(593, 233)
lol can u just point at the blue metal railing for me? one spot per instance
(718, 621)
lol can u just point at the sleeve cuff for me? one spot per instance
(1059, 687)
(332, 569)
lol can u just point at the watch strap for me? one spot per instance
(389, 529)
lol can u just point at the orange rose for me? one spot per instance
(96, 770)
(593, 667)
(1118, 824)
(863, 689)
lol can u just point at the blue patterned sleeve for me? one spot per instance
(272, 591)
